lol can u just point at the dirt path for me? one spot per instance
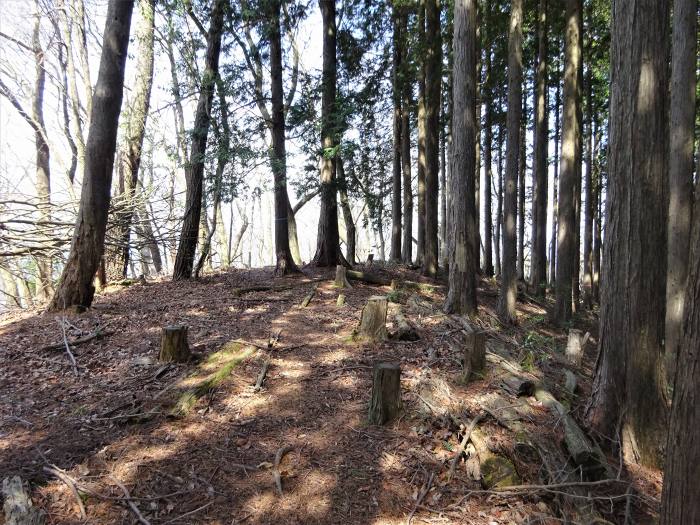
(214, 465)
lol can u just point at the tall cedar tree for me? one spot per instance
(75, 288)
(509, 291)
(117, 261)
(488, 170)
(396, 179)
(566, 207)
(194, 170)
(433, 81)
(538, 271)
(328, 242)
(461, 224)
(683, 84)
(422, 159)
(278, 160)
(406, 90)
(628, 396)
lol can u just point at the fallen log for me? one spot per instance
(496, 471)
(309, 297)
(368, 278)
(404, 330)
(261, 376)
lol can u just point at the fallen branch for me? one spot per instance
(462, 446)
(65, 342)
(130, 502)
(79, 341)
(276, 469)
(261, 376)
(70, 483)
(308, 297)
(189, 513)
(368, 278)
(421, 497)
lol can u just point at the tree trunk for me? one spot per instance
(589, 204)
(499, 200)
(538, 266)
(522, 180)
(597, 226)
(509, 289)
(76, 288)
(461, 248)
(679, 499)
(278, 154)
(682, 126)
(576, 262)
(350, 229)
(555, 188)
(488, 173)
(397, 81)
(566, 209)
(328, 241)
(629, 385)
(407, 247)
(422, 129)
(194, 170)
(433, 79)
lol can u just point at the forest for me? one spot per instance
(349, 261)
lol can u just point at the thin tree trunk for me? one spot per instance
(509, 289)
(555, 187)
(566, 207)
(350, 230)
(433, 79)
(461, 248)
(422, 129)
(488, 172)
(499, 200)
(522, 181)
(590, 201)
(328, 242)
(406, 89)
(194, 170)
(76, 288)
(682, 126)
(629, 390)
(397, 65)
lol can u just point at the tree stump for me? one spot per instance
(575, 346)
(341, 278)
(404, 330)
(373, 322)
(385, 404)
(173, 344)
(474, 359)
(341, 300)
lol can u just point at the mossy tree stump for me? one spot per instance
(173, 344)
(385, 403)
(474, 359)
(341, 277)
(575, 346)
(373, 321)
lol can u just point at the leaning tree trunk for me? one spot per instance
(194, 170)
(328, 241)
(538, 267)
(76, 288)
(117, 259)
(679, 500)
(461, 250)
(629, 387)
(433, 80)
(683, 83)
(278, 155)
(509, 289)
(566, 207)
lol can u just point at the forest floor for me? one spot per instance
(110, 428)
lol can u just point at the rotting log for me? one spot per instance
(570, 382)
(575, 346)
(309, 296)
(18, 506)
(341, 277)
(368, 278)
(404, 330)
(584, 453)
(262, 375)
(341, 300)
(237, 292)
(173, 344)
(373, 320)
(385, 403)
(518, 385)
(496, 471)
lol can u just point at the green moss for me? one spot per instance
(498, 472)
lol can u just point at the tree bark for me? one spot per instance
(682, 127)
(406, 88)
(194, 170)
(555, 187)
(350, 229)
(589, 203)
(396, 178)
(461, 250)
(629, 385)
(538, 267)
(422, 129)
(522, 181)
(328, 241)
(509, 289)
(488, 171)
(76, 288)
(566, 208)
(499, 199)
(433, 79)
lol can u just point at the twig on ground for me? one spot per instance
(421, 496)
(65, 342)
(262, 375)
(100, 332)
(70, 483)
(189, 513)
(130, 502)
(462, 446)
(276, 469)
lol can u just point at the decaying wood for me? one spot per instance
(385, 403)
(586, 455)
(496, 471)
(575, 346)
(308, 297)
(416, 303)
(462, 446)
(518, 385)
(262, 375)
(404, 330)
(237, 292)
(570, 382)
(373, 320)
(18, 506)
(341, 300)
(508, 414)
(79, 341)
(341, 278)
(173, 344)
(276, 475)
(368, 278)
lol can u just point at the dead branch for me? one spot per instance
(130, 502)
(65, 342)
(70, 483)
(421, 497)
(462, 446)
(261, 375)
(276, 469)
(79, 341)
